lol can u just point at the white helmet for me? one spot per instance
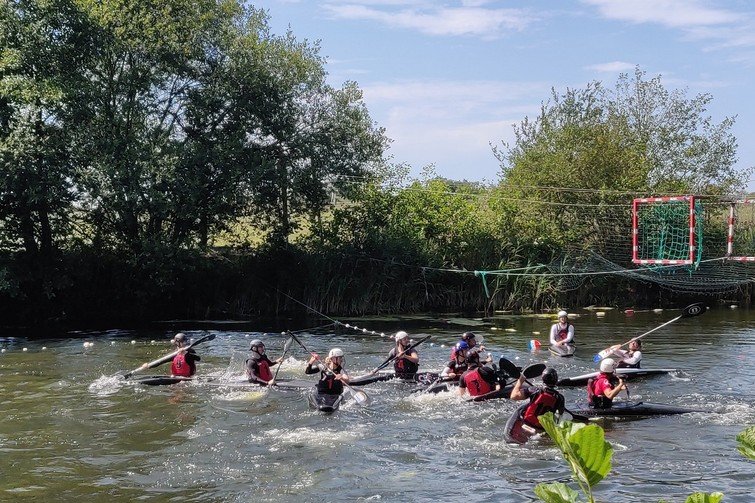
(335, 352)
(562, 313)
(400, 335)
(607, 365)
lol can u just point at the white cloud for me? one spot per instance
(430, 19)
(612, 67)
(672, 13)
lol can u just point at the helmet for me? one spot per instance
(467, 335)
(462, 346)
(335, 352)
(400, 335)
(473, 358)
(550, 377)
(562, 313)
(179, 338)
(256, 343)
(607, 365)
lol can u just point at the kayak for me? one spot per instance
(564, 350)
(634, 409)
(280, 384)
(419, 377)
(504, 392)
(160, 380)
(516, 430)
(628, 373)
(324, 402)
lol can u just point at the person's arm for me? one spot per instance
(569, 335)
(613, 392)
(447, 371)
(620, 353)
(518, 393)
(554, 331)
(343, 376)
(412, 356)
(311, 367)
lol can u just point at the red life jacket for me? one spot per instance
(180, 367)
(563, 333)
(263, 370)
(599, 401)
(475, 384)
(545, 400)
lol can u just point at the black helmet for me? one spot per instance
(550, 377)
(467, 335)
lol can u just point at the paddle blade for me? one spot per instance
(603, 354)
(534, 370)
(360, 397)
(509, 368)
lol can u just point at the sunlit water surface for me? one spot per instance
(72, 429)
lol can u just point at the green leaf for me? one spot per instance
(583, 446)
(556, 493)
(704, 498)
(746, 441)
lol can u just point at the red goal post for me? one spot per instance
(732, 224)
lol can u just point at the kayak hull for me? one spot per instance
(628, 373)
(516, 430)
(160, 380)
(420, 377)
(634, 409)
(564, 351)
(504, 392)
(322, 402)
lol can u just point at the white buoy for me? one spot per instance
(152, 342)
(133, 342)
(600, 314)
(493, 328)
(733, 306)
(44, 348)
(511, 329)
(112, 343)
(535, 333)
(657, 310)
(2, 350)
(25, 349)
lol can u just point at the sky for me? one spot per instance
(446, 79)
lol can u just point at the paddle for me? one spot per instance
(688, 312)
(169, 357)
(286, 347)
(577, 417)
(534, 370)
(393, 357)
(360, 397)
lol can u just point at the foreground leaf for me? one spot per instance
(746, 441)
(556, 493)
(704, 498)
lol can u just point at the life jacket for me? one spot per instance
(263, 369)
(180, 367)
(599, 401)
(563, 333)
(328, 384)
(544, 400)
(475, 384)
(403, 367)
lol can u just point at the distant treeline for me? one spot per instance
(178, 160)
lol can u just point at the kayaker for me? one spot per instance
(479, 381)
(332, 373)
(542, 399)
(603, 389)
(472, 341)
(563, 331)
(630, 358)
(258, 364)
(184, 364)
(458, 364)
(406, 363)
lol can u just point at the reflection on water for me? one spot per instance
(71, 427)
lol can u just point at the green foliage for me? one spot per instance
(746, 441)
(704, 498)
(556, 493)
(584, 448)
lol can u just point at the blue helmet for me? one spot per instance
(462, 346)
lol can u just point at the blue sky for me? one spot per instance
(448, 78)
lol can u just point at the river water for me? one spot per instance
(71, 429)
